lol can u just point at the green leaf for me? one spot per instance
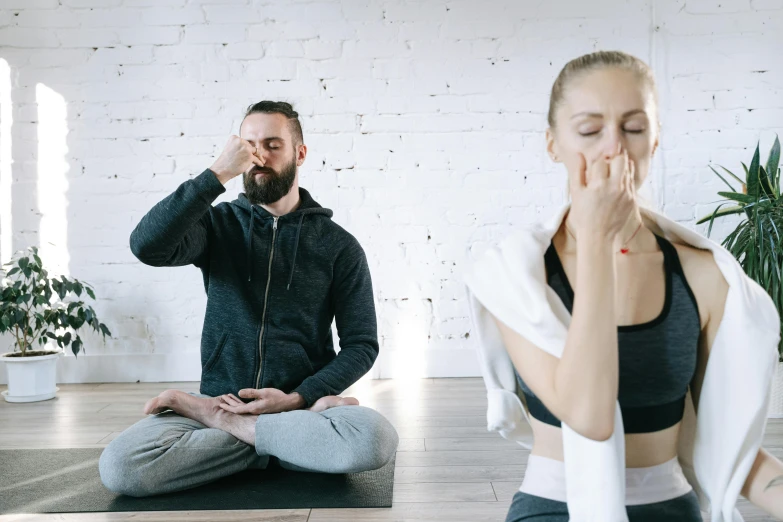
(13, 271)
(76, 346)
(753, 175)
(90, 292)
(723, 179)
(774, 158)
(730, 173)
(766, 186)
(105, 330)
(736, 196)
(23, 262)
(721, 213)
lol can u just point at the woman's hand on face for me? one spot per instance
(603, 195)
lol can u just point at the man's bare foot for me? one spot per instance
(207, 411)
(160, 403)
(330, 401)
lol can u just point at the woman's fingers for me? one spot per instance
(599, 171)
(578, 180)
(618, 168)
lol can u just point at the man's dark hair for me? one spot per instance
(284, 108)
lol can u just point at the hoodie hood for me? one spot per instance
(307, 207)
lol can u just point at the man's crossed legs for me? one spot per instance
(199, 442)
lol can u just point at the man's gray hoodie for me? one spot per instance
(273, 286)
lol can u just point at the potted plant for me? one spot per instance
(757, 241)
(38, 310)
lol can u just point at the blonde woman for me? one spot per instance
(610, 314)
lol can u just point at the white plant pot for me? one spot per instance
(776, 395)
(31, 379)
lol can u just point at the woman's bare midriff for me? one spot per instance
(642, 450)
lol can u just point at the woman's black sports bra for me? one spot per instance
(657, 359)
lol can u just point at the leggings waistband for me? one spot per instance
(545, 478)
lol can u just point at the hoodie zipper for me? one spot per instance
(266, 296)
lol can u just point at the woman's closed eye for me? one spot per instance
(587, 133)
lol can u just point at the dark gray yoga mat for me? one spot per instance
(67, 481)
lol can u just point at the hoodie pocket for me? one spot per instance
(305, 359)
(216, 354)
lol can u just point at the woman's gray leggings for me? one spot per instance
(167, 452)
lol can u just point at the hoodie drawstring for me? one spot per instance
(296, 248)
(250, 246)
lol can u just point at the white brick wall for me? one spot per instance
(424, 121)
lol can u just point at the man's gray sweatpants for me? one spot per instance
(167, 452)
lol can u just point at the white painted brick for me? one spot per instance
(148, 72)
(391, 49)
(339, 69)
(184, 53)
(87, 37)
(276, 31)
(154, 3)
(172, 16)
(766, 5)
(375, 32)
(716, 6)
(232, 2)
(60, 57)
(110, 17)
(122, 55)
(132, 129)
(206, 127)
(218, 14)
(47, 18)
(28, 38)
(244, 51)
(286, 49)
(207, 33)
(362, 11)
(317, 49)
(269, 69)
(31, 4)
(149, 35)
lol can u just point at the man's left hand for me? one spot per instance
(265, 400)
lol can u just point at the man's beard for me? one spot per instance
(270, 188)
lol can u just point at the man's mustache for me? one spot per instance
(262, 170)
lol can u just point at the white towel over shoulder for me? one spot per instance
(716, 448)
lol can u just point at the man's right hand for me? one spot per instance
(237, 157)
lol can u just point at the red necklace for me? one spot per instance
(624, 249)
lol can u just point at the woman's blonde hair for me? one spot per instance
(591, 62)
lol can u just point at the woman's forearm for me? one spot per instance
(587, 374)
(764, 485)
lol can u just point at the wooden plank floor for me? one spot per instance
(448, 466)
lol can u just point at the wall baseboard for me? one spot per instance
(186, 366)
(147, 367)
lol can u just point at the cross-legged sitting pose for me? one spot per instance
(609, 313)
(276, 271)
